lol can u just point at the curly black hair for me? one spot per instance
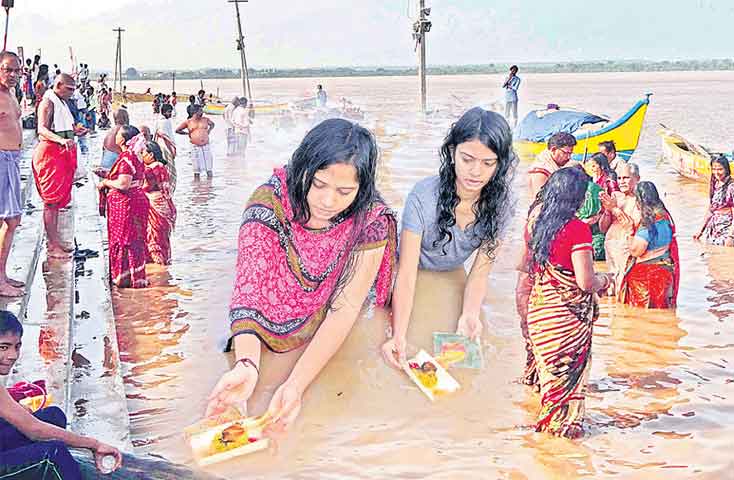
(559, 200)
(493, 208)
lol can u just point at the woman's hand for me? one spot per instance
(594, 219)
(729, 242)
(285, 405)
(102, 450)
(607, 280)
(233, 389)
(393, 351)
(469, 325)
(101, 185)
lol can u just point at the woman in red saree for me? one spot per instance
(313, 241)
(653, 270)
(162, 212)
(563, 304)
(127, 214)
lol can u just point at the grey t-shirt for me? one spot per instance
(420, 215)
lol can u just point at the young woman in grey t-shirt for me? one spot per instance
(450, 216)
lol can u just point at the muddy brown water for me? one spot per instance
(661, 388)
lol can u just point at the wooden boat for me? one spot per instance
(133, 97)
(259, 108)
(625, 132)
(689, 159)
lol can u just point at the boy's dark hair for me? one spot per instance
(167, 107)
(9, 324)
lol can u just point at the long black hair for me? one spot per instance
(560, 198)
(333, 141)
(493, 208)
(330, 142)
(603, 162)
(724, 162)
(650, 205)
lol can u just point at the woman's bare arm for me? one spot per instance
(339, 320)
(404, 292)
(583, 267)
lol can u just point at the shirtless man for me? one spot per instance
(111, 150)
(198, 128)
(619, 224)
(11, 139)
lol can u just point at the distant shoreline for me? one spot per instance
(609, 66)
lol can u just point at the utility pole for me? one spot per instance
(246, 91)
(420, 28)
(118, 61)
(7, 5)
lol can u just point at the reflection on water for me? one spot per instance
(660, 392)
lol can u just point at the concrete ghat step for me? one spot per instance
(98, 402)
(47, 319)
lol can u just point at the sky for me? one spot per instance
(191, 34)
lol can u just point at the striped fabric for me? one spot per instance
(560, 320)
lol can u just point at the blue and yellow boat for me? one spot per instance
(625, 132)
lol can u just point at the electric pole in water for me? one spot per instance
(246, 91)
(420, 28)
(118, 61)
(7, 5)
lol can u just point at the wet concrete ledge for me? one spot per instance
(98, 398)
(69, 337)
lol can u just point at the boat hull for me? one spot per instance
(687, 159)
(625, 133)
(133, 97)
(265, 109)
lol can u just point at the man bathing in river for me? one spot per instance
(197, 128)
(11, 138)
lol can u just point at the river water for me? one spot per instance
(661, 386)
